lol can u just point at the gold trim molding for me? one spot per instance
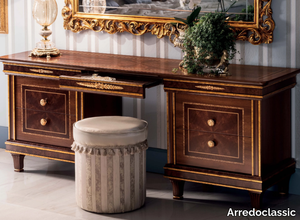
(263, 32)
(256, 32)
(212, 88)
(100, 86)
(3, 17)
(33, 155)
(41, 71)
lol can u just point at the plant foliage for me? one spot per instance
(192, 18)
(206, 40)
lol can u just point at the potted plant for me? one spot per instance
(188, 23)
(208, 44)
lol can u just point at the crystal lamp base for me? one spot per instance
(45, 48)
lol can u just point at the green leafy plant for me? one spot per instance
(192, 18)
(206, 42)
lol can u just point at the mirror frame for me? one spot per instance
(3, 17)
(256, 32)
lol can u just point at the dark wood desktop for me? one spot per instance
(232, 131)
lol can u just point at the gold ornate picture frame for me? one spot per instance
(256, 32)
(3, 17)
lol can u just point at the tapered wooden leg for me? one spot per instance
(256, 199)
(283, 185)
(177, 189)
(18, 162)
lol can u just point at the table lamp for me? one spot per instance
(45, 13)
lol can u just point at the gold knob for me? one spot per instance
(43, 102)
(210, 122)
(211, 143)
(43, 121)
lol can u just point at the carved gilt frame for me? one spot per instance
(256, 32)
(3, 17)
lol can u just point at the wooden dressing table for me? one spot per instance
(230, 131)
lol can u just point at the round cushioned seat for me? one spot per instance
(110, 130)
(110, 163)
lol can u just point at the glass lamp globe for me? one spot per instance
(45, 13)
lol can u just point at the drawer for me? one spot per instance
(37, 71)
(213, 114)
(43, 95)
(215, 151)
(117, 85)
(217, 88)
(50, 123)
(45, 99)
(44, 127)
(212, 118)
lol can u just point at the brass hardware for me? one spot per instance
(100, 86)
(41, 70)
(43, 102)
(90, 79)
(115, 92)
(43, 121)
(212, 88)
(211, 144)
(19, 170)
(211, 122)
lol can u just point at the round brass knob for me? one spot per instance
(211, 143)
(43, 102)
(43, 121)
(210, 122)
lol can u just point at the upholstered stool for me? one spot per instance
(110, 169)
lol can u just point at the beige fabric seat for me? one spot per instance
(110, 168)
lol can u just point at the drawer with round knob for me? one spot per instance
(45, 99)
(213, 115)
(213, 132)
(216, 151)
(45, 122)
(44, 127)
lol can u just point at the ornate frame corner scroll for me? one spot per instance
(257, 32)
(3, 17)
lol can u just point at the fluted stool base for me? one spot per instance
(110, 179)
